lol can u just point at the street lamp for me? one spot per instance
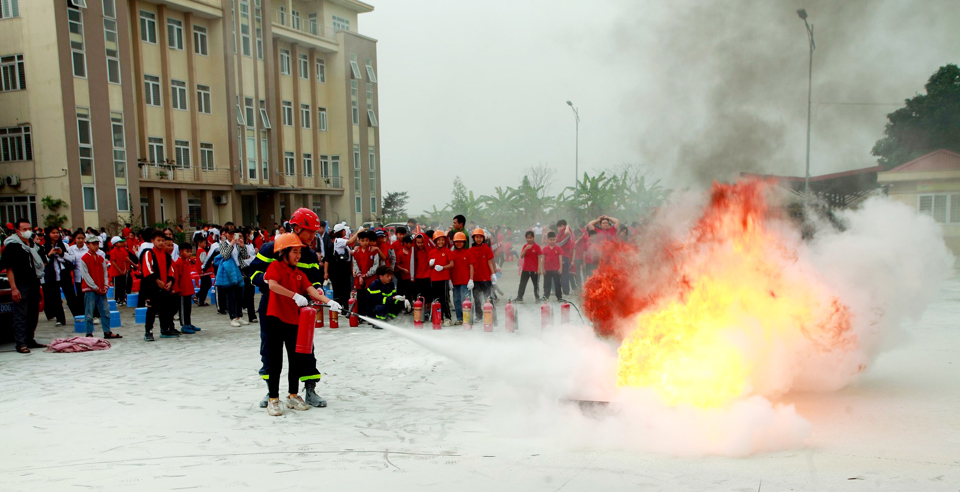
(576, 169)
(806, 179)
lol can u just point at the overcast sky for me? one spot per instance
(693, 90)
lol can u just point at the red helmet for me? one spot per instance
(305, 218)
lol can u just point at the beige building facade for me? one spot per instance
(188, 111)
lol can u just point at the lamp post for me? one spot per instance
(806, 177)
(576, 169)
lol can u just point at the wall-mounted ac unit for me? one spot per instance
(12, 180)
(220, 199)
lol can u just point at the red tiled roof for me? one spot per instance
(822, 177)
(938, 160)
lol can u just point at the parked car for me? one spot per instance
(6, 309)
(371, 225)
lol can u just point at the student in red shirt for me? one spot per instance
(462, 274)
(551, 267)
(421, 267)
(94, 283)
(366, 260)
(404, 253)
(287, 286)
(119, 267)
(183, 285)
(441, 260)
(206, 276)
(484, 267)
(530, 267)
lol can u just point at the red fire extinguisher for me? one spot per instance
(319, 323)
(352, 308)
(565, 313)
(546, 316)
(305, 329)
(334, 319)
(488, 316)
(511, 315)
(467, 314)
(418, 313)
(435, 315)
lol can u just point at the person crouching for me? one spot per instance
(287, 285)
(383, 302)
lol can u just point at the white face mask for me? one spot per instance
(26, 234)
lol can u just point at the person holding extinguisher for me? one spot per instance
(441, 262)
(288, 284)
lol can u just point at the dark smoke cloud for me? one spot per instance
(724, 83)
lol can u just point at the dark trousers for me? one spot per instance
(482, 291)
(26, 313)
(309, 368)
(160, 304)
(422, 287)
(204, 290)
(405, 289)
(74, 302)
(551, 278)
(234, 297)
(52, 304)
(221, 300)
(186, 307)
(441, 292)
(120, 289)
(248, 292)
(128, 282)
(524, 276)
(576, 281)
(282, 335)
(342, 286)
(565, 273)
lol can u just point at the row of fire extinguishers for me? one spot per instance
(509, 311)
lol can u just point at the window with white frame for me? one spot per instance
(119, 145)
(295, 19)
(240, 119)
(16, 144)
(308, 165)
(321, 71)
(248, 112)
(354, 103)
(148, 27)
(9, 9)
(194, 212)
(181, 149)
(204, 99)
(312, 23)
(206, 157)
(155, 153)
(371, 75)
(305, 117)
(245, 27)
(112, 46)
(123, 199)
(372, 159)
(324, 166)
(80, 4)
(264, 117)
(373, 204)
(283, 15)
(77, 48)
(89, 198)
(258, 28)
(174, 34)
(12, 74)
(304, 67)
(357, 168)
(264, 156)
(285, 62)
(341, 24)
(335, 171)
(178, 94)
(289, 164)
(251, 155)
(372, 117)
(110, 8)
(287, 113)
(944, 208)
(85, 139)
(358, 204)
(355, 67)
(200, 40)
(322, 119)
(151, 90)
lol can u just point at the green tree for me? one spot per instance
(928, 122)
(394, 207)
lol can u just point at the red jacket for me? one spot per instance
(183, 280)
(97, 269)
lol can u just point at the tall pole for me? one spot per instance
(576, 168)
(806, 179)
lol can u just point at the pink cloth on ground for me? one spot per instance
(77, 344)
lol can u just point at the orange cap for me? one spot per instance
(478, 232)
(460, 237)
(286, 240)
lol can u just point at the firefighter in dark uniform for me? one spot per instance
(304, 223)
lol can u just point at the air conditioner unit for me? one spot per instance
(13, 180)
(220, 199)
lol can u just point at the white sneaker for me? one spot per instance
(273, 408)
(96, 321)
(244, 322)
(234, 322)
(297, 403)
(446, 322)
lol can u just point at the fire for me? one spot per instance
(705, 330)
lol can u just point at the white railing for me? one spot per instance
(304, 26)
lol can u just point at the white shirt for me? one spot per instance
(143, 247)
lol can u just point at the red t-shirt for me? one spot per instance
(403, 261)
(551, 258)
(531, 257)
(568, 247)
(462, 259)
(605, 234)
(422, 263)
(290, 278)
(482, 254)
(441, 257)
(119, 261)
(184, 281)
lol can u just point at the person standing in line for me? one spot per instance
(403, 255)
(24, 270)
(422, 286)
(338, 265)
(484, 267)
(95, 279)
(366, 260)
(233, 253)
(246, 242)
(205, 273)
(183, 286)
(530, 256)
(119, 267)
(462, 274)
(565, 242)
(58, 266)
(551, 267)
(441, 264)
(156, 287)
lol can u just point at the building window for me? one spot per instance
(203, 99)
(354, 104)
(285, 62)
(155, 152)
(248, 113)
(89, 198)
(264, 117)
(258, 26)
(324, 166)
(85, 139)
(148, 27)
(75, 19)
(151, 90)
(372, 159)
(12, 74)
(80, 4)
(371, 75)
(341, 24)
(335, 171)
(119, 145)
(112, 46)
(304, 67)
(240, 119)
(194, 211)
(289, 164)
(312, 23)
(283, 15)
(123, 200)
(369, 96)
(181, 149)
(175, 34)
(354, 67)
(8, 10)
(245, 27)
(206, 157)
(200, 40)
(305, 117)
(251, 155)
(322, 119)
(308, 165)
(178, 94)
(356, 168)
(358, 204)
(264, 156)
(373, 205)
(372, 117)
(16, 144)
(321, 71)
(295, 19)
(287, 113)
(943, 208)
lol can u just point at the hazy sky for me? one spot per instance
(693, 90)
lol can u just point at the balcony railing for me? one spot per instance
(189, 175)
(304, 26)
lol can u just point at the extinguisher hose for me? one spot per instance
(574, 307)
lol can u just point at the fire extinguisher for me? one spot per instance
(334, 319)
(511, 314)
(467, 314)
(565, 313)
(418, 313)
(546, 316)
(305, 329)
(435, 315)
(352, 308)
(488, 316)
(319, 323)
